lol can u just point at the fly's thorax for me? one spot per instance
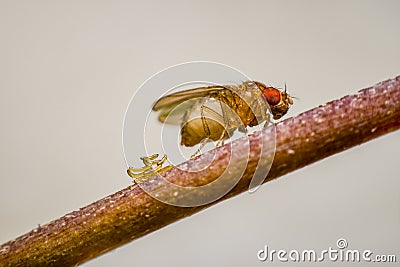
(247, 102)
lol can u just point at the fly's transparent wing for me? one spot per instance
(174, 114)
(173, 107)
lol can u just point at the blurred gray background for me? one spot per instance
(69, 69)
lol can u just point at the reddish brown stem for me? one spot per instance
(131, 213)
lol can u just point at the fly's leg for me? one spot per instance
(206, 131)
(222, 137)
(221, 140)
(198, 151)
(204, 121)
(219, 118)
(231, 121)
(151, 167)
(265, 112)
(267, 117)
(267, 120)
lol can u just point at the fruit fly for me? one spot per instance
(245, 100)
(240, 106)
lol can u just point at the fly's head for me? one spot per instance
(279, 101)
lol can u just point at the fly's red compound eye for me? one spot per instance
(272, 95)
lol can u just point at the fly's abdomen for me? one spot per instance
(196, 130)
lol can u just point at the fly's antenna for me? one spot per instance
(290, 95)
